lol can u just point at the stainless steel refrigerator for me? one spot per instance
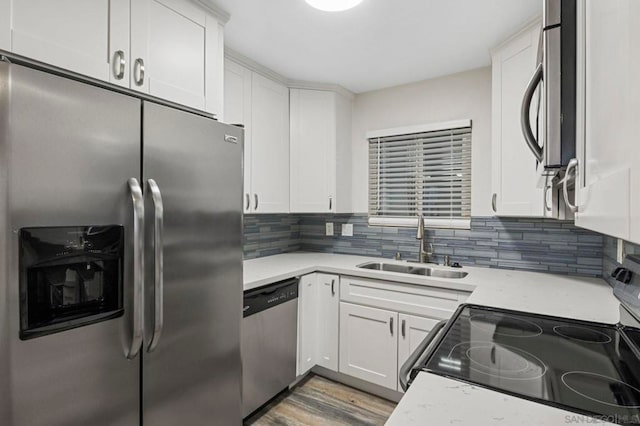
(120, 258)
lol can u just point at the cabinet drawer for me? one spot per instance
(419, 300)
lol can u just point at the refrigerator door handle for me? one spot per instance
(158, 227)
(138, 267)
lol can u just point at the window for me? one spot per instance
(421, 169)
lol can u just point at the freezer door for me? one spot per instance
(67, 150)
(192, 375)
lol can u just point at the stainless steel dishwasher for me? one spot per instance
(268, 342)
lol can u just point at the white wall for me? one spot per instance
(466, 95)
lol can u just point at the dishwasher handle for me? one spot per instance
(410, 363)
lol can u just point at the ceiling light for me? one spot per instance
(333, 5)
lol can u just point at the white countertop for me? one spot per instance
(435, 400)
(589, 299)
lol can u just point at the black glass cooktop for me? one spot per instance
(580, 366)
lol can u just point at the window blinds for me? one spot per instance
(427, 172)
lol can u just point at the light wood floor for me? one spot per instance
(319, 401)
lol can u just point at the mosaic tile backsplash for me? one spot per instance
(268, 234)
(512, 243)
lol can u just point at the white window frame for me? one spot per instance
(431, 222)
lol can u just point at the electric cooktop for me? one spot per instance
(588, 368)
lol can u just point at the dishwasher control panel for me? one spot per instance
(262, 298)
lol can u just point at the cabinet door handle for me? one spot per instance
(404, 332)
(119, 64)
(248, 201)
(391, 325)
(139, 70)
(494, 198)
(255, 201)
(330, 203)
(573, 164)
(333, 288)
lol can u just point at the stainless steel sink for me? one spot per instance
(413, 270)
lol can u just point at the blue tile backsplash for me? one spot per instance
(512, 243)
(269, 234)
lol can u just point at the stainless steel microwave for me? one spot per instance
(553, 91)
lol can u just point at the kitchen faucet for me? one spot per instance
(424, 256)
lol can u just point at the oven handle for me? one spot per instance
(407, 367)
(524, 114)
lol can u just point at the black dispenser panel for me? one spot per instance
(69, 277)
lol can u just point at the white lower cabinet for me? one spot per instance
(318, 316)
(307, 308)
(327, 321)
(369, 344)
(338, 332)
(413, 331)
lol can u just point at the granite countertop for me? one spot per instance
(438, 400)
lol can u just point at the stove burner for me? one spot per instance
(502, 361)
(602, 389)
(505, 325)
(581, 334)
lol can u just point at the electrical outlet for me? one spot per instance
(329, 228)
(620, 252)
(347, 230)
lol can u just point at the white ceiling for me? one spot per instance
(380, 43)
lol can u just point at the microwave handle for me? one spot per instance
(525, 111)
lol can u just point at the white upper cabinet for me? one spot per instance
(171, 49)
(262, 106)
(5, 25)
(269, 146)
(237, 110)
(176, 53)
(70, 34)
(608, 181)
(514, 176)
(320, 151)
